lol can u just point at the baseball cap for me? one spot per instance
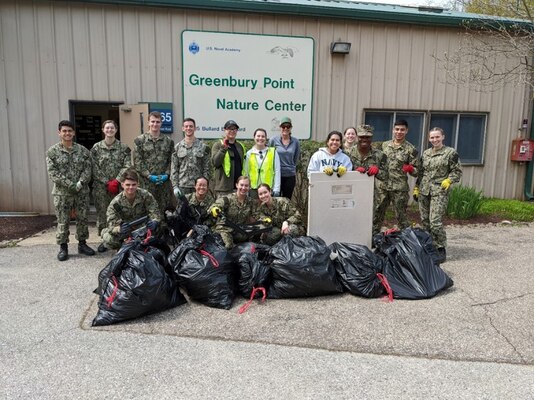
(285, 120)
(230, 123)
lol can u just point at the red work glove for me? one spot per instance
(361, 170)
(226, 143)
(113, 186)
(373, 170)
(408, 168)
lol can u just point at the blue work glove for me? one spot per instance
(153, 178)
(163, 178)
(124, 228)
(152, 225)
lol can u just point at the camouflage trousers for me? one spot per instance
(273, 236)
(229, 237)
(111, 240)
(102, 198)
(432, 209)
(63, 205)
(399, 200)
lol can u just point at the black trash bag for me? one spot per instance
(409, 267)
(254, 272)
(134, 284)
(426, 241)
(301, 267)
(205, 269)
(357, 268)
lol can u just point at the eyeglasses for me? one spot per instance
(285, 126)
(232, 129)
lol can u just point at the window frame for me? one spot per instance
(427, 117)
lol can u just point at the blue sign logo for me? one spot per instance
(194, 48)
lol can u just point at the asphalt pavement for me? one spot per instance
(473, 341)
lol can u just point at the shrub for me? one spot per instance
(464, 202)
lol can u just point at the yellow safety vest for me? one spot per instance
(227, 165)
(265, 172)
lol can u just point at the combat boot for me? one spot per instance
(102, 248)
(84, 249)
(63, 252)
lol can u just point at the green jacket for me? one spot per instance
(66, 168)
(437, 166)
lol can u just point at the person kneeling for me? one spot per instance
(129, 205)
(285, 219)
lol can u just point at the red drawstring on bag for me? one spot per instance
(245, 306)
(110, 299)
(390, 231)
(210, 256)
(384, 281)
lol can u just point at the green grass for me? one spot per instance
(512, 210)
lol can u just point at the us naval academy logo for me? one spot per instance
(194, 48)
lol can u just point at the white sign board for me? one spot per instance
(340, 209)
(254, 80)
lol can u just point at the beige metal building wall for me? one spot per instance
(53, 52)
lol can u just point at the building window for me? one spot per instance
(463, 131)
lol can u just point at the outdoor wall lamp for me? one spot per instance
(340, 48)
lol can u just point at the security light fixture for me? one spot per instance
(340, 48)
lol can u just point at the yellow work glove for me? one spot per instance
(341, 171)
(215, 212)
(328, 171)
(416, 193)
(445, 183)
(267, 220)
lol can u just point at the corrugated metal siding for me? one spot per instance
(54, 52)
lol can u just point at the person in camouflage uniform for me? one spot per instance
(440, 168)
(191, 158)
(373, 162)
(131, 204)
(69, 168)
(284, 217)
(152, 159)
(402, 160)
(236, 207)
(201, 200)
(110, 158)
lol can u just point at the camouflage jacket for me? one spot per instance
(188, 163)
(281, 210)
(374, 157)
(66, 168)
(110, 162)
(153, 157)
(397, 156)
(201, 206)
(437, 166)
(234, 211)
(121, 210)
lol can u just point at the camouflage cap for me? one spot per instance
(364, 130)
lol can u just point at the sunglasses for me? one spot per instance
(285, 126)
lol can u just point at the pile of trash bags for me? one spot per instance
(146, 277)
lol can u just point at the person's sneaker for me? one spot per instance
(102, 248)
(84, 249)
(442, 254)
(63, 252)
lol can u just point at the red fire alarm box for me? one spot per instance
(522, 149)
